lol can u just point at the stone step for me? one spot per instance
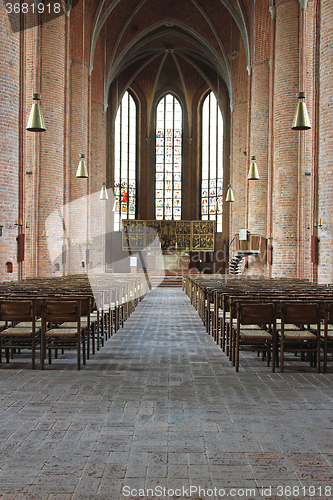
(167, 280)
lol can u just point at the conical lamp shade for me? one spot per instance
(253, 170)
(230, 194)
(301, 118)
(36, 120)
(104, 193)
(82, 171)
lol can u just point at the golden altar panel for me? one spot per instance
(168, 235)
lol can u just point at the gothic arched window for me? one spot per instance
(168, 159)
(125, 160)
(211, 161)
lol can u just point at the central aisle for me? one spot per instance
(160, 406)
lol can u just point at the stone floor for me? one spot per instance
(160, 413)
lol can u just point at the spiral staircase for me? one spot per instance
(243, 245)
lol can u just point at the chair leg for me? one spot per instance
(84, 346)
(236, 356)
(42, 352)
(93, 326)
(87, 337)
(33, 354)
(78, 353)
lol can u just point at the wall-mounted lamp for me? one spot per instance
(1, 230)
(19, 222)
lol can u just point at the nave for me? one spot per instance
(161, 405)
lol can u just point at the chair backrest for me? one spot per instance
(254, 313)
(62, 310)
(300, 313)
(17, 310)
(329, 312)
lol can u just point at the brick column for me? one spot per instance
(285, 161)
(51, 171)
(239, 142)
(98, 208)
(325, 167)
(259, 138)
(9, 136)
(78, 125)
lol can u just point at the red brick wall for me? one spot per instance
(53, 156)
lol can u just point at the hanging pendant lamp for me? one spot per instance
(301, 118)
(36, 120)
(230, 194)
(253, 170)
(104, 193)
(82, 171)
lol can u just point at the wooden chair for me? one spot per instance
(327, 333)
(256, 330)
(302, 339)
(22, 334)
(60, 335)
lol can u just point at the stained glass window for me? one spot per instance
(125, 161)
(212, 161)
(168, 155)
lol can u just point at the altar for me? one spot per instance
(170, 262)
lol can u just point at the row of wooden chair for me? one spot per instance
(65, 313)
(292, 328)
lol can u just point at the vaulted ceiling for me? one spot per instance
(174, 41)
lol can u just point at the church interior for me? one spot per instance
(166, 298)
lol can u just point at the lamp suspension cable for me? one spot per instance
(253, 173)
(104, 193)
(82, 171)
(230, 194)
(217, 206)
(301, 118)
(36, 120)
